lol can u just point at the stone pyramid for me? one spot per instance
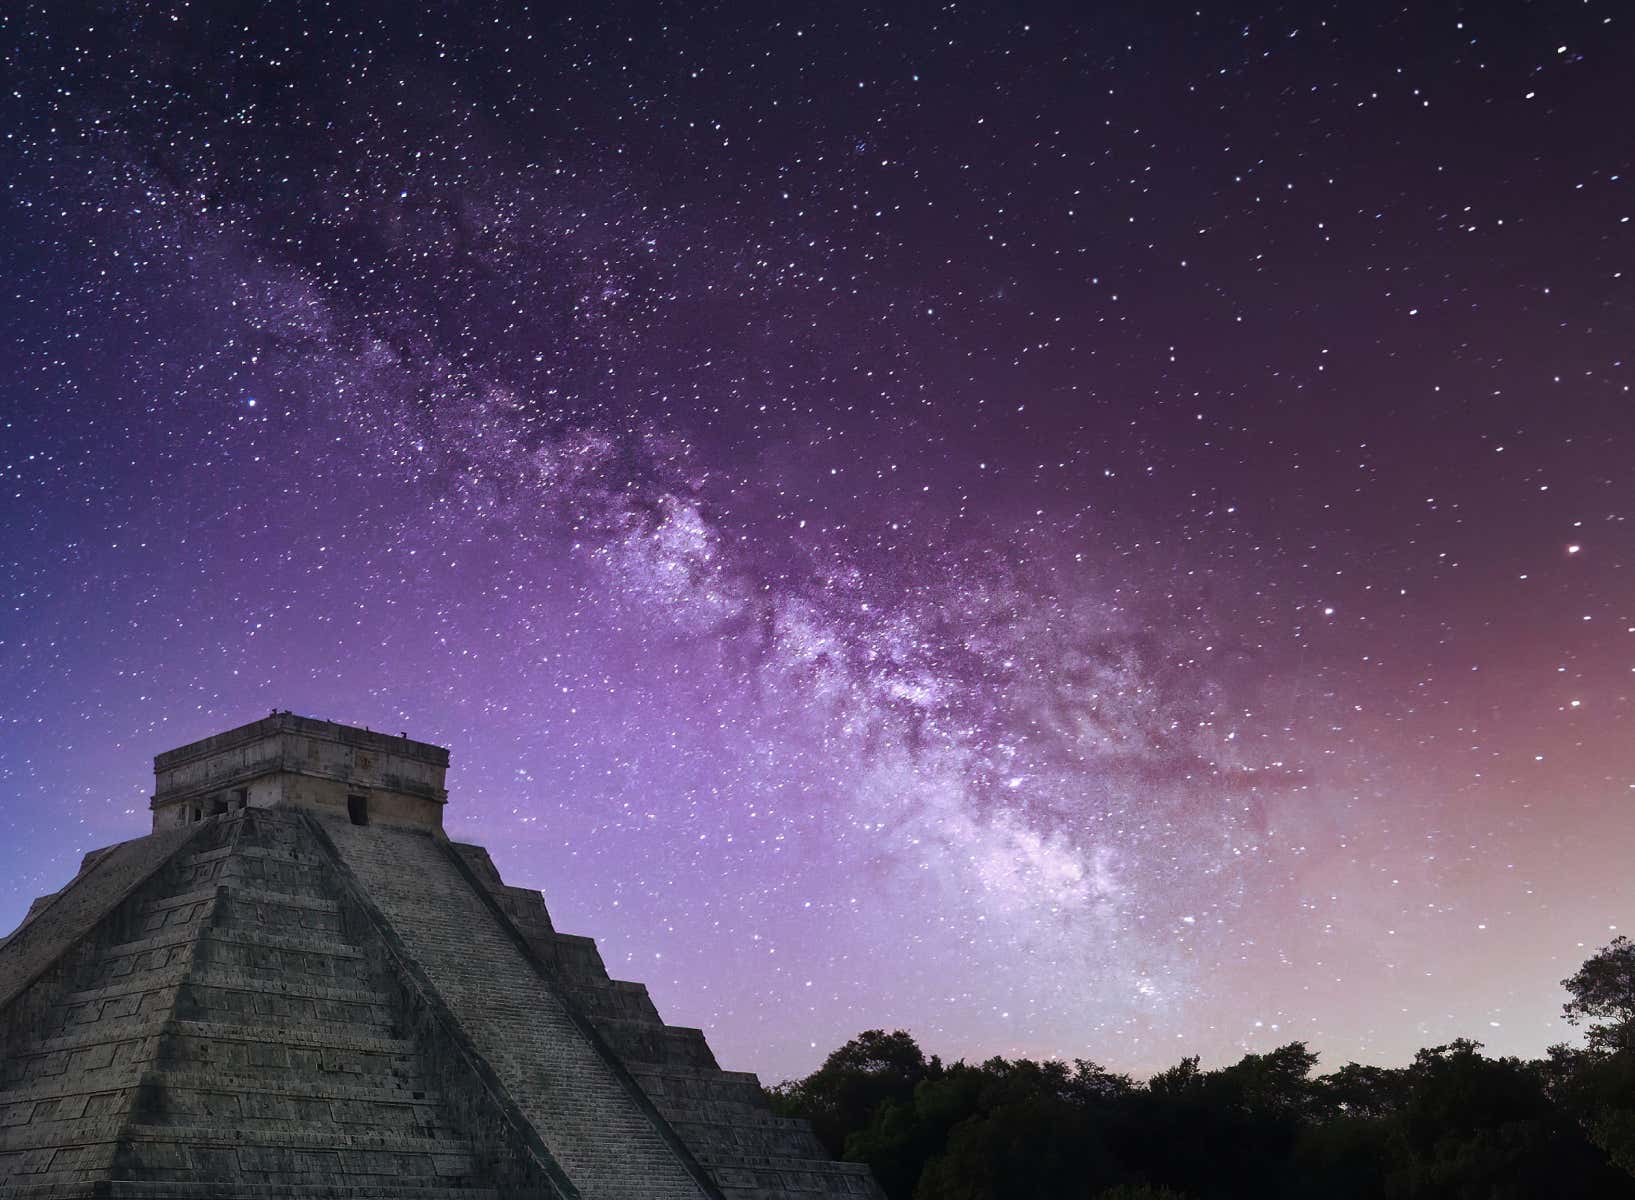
(297, 986)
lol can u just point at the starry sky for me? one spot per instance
(1084, 530)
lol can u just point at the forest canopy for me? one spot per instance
(1453, 1123)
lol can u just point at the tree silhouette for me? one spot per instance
(1452, 1125)
(841, 1096)
(1603, 997)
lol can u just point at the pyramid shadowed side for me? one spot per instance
(234, 1027)
(89, 982)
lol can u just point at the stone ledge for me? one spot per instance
(261, 895)
(178, 900)
(331, 945)
(134, 984)
(71, 1134)
(93, 1035)
(302, 1087)
(683, 1111)
(700, 1074)
(768, 1162)
(770, 1120)
(309, 727)
(175, 935)
(221, 978)
(214, 854)
(58, 1089)
(279, 854)
(309, 1035)
(120, 1189)
(275, 1015)
(297, 1139)
(73, 914)
(717, 1144)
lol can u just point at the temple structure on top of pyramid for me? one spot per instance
(298, 986)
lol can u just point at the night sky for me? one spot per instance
(1076, 531)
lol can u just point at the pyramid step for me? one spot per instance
(276, 875)
(93, 1065)
(763, 1121)
(150, 943)
(193, 872)
(247, 851)
(648, 1041)
(274, 1017)
(310, 1157)
(129, 985)
(53, 1168)
(71, 1040)
(208, 854)
(253, 891)
(297, 1134)
(574, 958)
(210, 978)
(765, 1137)
(259, 908)
(60, 1120)
(682, 1112)
(302, 1075)
(685, 1088)
(615, 1000)
(259, 894)
(773, 1162)
(278, 1020)
(43, 1133)
(281, 853)
(187, 899)
(290, 855)
(276, 1054)
(110, 1083)
(315, 1035)
(242, 860)
(137, 962)
(268, 959)
(258, 1116)
(185, 911)
(747, 1081)
(303, 943)
(294, 1086)
(124, 1189)
(136, 999)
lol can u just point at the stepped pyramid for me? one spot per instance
(298, 986)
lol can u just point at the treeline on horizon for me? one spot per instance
(1452, 1124)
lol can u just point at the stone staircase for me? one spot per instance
(594, 1122)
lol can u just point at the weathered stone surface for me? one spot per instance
(286, 760)
(722, 1116)
(275, 1002)
(568, 1091)
(66, 917)
(233, 1022)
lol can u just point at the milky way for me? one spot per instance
(1089, 536)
